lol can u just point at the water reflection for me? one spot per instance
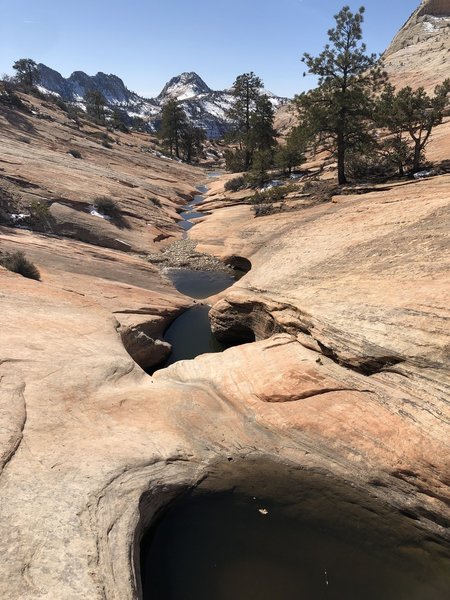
(228, 546)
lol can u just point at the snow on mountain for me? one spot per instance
(184, 87)
(204, 107)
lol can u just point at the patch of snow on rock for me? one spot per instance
(95, 213)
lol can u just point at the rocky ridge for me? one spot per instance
(204, 107)
(419, 53)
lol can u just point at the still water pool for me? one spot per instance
(230, 546)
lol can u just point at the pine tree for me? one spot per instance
(119, 120)
(413, 112)
(338, 110)
(173, 124)
(95, 105)
(246, 91)
(27, 72)
(262, 135)
(292, 153)
(192, 139)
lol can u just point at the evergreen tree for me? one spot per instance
(413, 112)
(262, 162)
(262, 135)
(246, 91)
(339, 108)
(192, 139)
(27, 73)
(292, 153)
(173, 125)
(119, 120)
(95, 105)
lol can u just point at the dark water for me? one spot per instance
(220, 547)
(199, 284)
(190, 212)
(187, 216)
(190, 335)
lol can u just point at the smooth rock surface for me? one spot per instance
(418, 55)
(36, 167)
(352, 385)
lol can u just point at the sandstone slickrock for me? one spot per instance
(36, 168)
(347, 382)
(352, 384)
(419, 53)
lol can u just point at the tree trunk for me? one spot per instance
(417, 152)
(342, 179)
(248, 160)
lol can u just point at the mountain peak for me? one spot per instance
(184, 86)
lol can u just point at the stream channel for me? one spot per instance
(273, 532)
(190, 334)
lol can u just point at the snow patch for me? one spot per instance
(17, 217)
(95, 213)
(430, 27)
(272, 184)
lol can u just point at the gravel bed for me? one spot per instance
(182, 253)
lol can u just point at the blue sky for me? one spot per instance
(147, 42)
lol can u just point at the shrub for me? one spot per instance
(74, 112)
(264, 209)
(156, 201)
(75, 153)
(235, 184)
(321, 191)
(8, 95)
(39, 215)
(18, 263)
(60, 103)
(104, 139)
(263, 202)
(274, 194)
(107, 206)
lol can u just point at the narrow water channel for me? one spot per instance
(267, 534)
(190, 334)
(304, 541)
(190, 212)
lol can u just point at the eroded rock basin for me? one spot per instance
(268, 532)
(199, 284)
(190, 335)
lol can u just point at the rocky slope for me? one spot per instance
(348, 382)
(40, 174)
(419, 53)
(204, 107)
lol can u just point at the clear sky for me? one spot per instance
(146, 42)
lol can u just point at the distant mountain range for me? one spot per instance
(204, 107)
